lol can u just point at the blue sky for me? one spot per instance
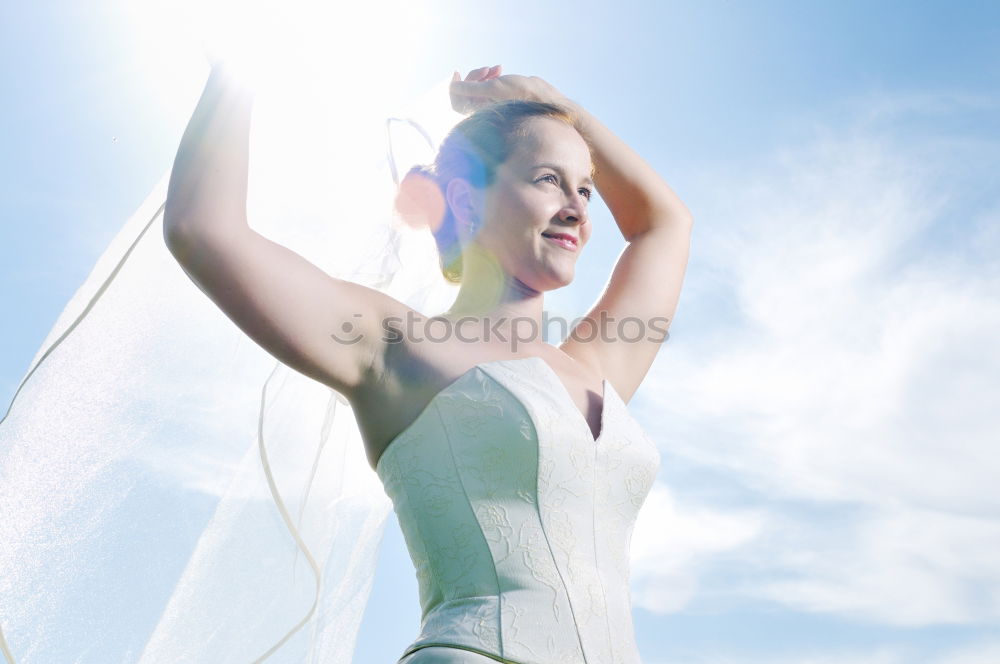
(825, 406)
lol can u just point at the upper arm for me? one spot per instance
(326, 328)
(636, 308)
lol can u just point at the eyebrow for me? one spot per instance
(546, 164)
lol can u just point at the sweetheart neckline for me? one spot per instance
(605, 385)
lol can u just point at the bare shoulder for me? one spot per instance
(416, 360)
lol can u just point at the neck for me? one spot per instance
(489, 293)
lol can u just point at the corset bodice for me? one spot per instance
(517, 520)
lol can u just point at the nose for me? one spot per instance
(575, 209)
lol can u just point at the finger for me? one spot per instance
(466, 96)
(477, 74)
(493, 72)
(469, 89)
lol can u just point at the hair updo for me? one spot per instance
(472, 150)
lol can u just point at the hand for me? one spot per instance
(485, 86)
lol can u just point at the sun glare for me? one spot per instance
(296, 42)
(327, 75)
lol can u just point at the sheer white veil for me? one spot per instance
(171, 492)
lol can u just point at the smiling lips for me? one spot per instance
(562, 239)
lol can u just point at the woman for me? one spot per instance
(504, 456)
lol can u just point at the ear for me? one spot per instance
(463, 199)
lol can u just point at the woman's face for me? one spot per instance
(544, 186)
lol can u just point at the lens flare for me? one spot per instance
(419, 202)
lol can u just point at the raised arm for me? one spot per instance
(283, 302)
(645, 283)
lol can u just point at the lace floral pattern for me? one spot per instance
(517, 521)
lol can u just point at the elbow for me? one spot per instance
(172, 230)
(682, 219)
(172, 216)
(190, 219)
(176, 242)
(187, 248)
(682, 215)
(178, 232)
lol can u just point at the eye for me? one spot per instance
(586, 193)
(548, 178)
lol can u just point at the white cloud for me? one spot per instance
(671, 542)
(982, 653)
(881, 656)
(909, 567)
(847, 363)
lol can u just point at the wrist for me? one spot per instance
(232, 79)
(576, 111)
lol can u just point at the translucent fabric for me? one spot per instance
(169, 492)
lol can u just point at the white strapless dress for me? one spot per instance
(517, 521)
